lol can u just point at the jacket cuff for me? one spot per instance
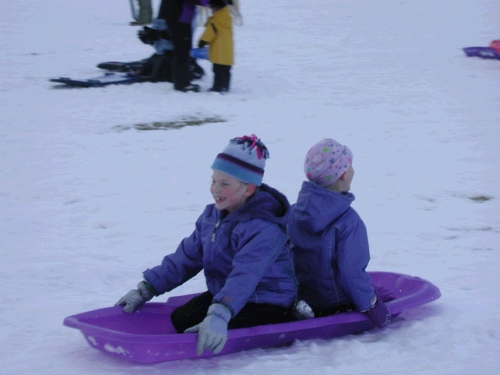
(150, 288)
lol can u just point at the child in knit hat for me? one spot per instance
(330, 242)
(241, 244)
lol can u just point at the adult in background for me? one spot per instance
(145, 13)
(179, 15)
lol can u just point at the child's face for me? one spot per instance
(229, 193)
(349, 175)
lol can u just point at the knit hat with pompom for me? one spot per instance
(244, 158)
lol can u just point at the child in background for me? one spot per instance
(218, 35)
(330, 242)
(241, 244)
(158, 67)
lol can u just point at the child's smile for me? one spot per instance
(229, 193)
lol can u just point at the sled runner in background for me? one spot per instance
(154, 69)
(100, 81)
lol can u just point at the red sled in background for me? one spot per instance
(490, 52)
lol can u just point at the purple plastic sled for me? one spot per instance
(484, 52)
(147, 335)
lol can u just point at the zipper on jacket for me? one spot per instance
(215, 230)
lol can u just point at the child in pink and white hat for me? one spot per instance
(329, 163)
(330, 241)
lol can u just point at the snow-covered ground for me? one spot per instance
(89, 199)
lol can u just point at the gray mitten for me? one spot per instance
(303, 311)
(136, 297)
(212, 331)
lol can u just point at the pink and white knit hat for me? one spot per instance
(326, 161)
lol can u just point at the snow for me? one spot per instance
(89, 199)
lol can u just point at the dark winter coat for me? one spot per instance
(245, 255)
(179, 10)
(330, 246)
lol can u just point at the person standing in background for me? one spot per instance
(145, 13)
(179, 15)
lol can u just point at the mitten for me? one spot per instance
(212, 331)
(379, 313)
(199, 53)
(136, 297)
(303, 311)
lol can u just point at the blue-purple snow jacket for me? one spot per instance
(245, 255)
(330, 247)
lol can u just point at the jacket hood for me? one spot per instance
(317, 208)
(268, 204)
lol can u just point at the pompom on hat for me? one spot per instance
(244, 158)
(326, 161)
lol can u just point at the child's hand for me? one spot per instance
(135, 298)
(379, 313)
(303, 311)
(212, 331)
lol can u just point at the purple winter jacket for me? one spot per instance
(245, 255)
(330, 247)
